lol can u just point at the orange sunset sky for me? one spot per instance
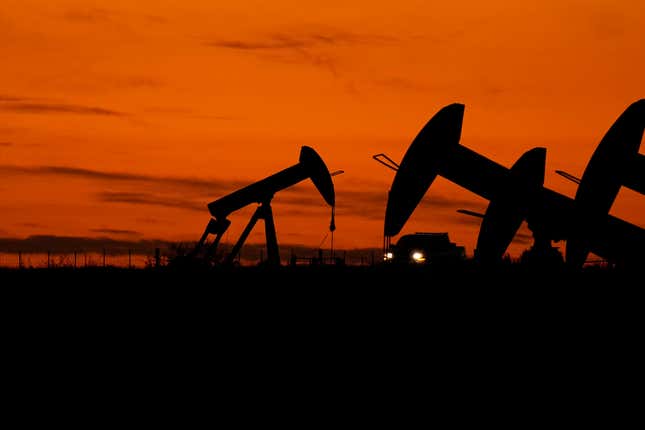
(125, 118)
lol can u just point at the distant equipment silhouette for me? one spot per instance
(310, 165)
(425, 248)
(518, 194)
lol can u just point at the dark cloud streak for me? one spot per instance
(400, 84)
(116, 231)
(151, 200)
(69, 244)
(57, 108)
(173, 191)
(314, 48)
(31, 224)
(255, 46)
(523, 238)
(6, 98)
(279, 41)
(368, 204)
(207, 186)
(89, 15)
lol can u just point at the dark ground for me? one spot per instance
(325, 339)
(351, 290)
(412, 307)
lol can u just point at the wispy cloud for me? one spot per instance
(368, 204)
(35, 105)
(68, 244)
(400, 84)
(157, 19)
(200, 185)
(213, 117)
(31, 224)
(151, 200)
(90, 15)
(116, 231)
(148, 220)
(292, 202)
(441, 201)
(317, 48)
(523, 238)
(133, 82)
(193, 194)
(189, 113)
(5, 144)
(280, 41)
(463, 219)
(5, 130)
(277, 43)
(56, 108)
(4, 98)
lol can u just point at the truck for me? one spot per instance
(425, 248)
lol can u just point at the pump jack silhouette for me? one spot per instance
(518, 194)
(310, 165)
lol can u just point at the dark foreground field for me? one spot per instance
(342, 304)
(460, 277)
(391, 333)
(353, 289)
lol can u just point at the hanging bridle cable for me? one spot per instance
(332, 227)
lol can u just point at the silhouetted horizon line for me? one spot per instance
(69, 244)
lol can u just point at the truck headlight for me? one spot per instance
(418, 257)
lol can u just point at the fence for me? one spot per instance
(80, 258)
(138, 258)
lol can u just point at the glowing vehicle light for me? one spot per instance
(418, 257)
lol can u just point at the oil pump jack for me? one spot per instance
(518, 193)
(310, 165)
